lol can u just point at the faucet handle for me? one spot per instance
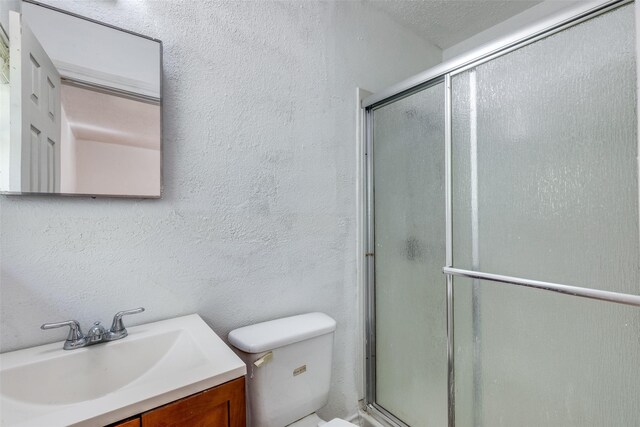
(118, 330)
(75, 338)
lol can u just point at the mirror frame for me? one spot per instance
(161, 104)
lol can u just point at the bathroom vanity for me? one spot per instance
(171, 372)
(223, 405)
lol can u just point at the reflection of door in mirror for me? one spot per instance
(80, 111)
(35, 113)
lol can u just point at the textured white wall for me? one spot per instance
(258, 215)
(536, 13)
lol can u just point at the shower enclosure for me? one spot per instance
(503, 246)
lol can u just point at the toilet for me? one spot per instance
(288, 370)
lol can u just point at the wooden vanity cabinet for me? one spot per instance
(221, 406)
(134, 422)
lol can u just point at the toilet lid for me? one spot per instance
(337, 422)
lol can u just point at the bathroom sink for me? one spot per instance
(156, 364)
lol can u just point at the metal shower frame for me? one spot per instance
(438, 74)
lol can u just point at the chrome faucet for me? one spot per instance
(97, 333)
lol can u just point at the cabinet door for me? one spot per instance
(221, 406)
(129, 423)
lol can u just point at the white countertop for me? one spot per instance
(92, 386)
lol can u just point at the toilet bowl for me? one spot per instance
(288, 370)
(314, 420)
(337, 422)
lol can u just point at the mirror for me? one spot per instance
(80, 106)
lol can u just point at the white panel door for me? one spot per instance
(36, 98)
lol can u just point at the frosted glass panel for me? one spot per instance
(411, 358)
(545, 159)
(544, 359)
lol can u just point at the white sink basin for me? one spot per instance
(97, 385)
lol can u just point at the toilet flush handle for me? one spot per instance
(264, 359)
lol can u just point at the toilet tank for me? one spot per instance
(288, 367)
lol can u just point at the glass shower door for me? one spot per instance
(410, 358)
(545, 187)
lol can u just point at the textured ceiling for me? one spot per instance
(448, 22)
